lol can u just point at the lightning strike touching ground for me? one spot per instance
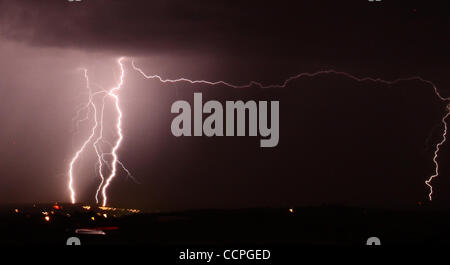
(83, 146)
(119, 132)
(98, 125)
(327, 72)
(98, 153)
(436, 154)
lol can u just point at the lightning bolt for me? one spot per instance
(436, 154)
(98, 125)
(101, 163)
(112, 93)
(327, 72)
(100, 159)
(86, 142)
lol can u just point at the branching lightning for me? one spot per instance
(98, 125)
(102, 162)
(83, 146)
(327, 72)
(114, 163)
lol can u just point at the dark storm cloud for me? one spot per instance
(149, 26)
(307, 30)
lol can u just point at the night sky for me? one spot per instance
(341, 141)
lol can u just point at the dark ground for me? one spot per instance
(325, 225)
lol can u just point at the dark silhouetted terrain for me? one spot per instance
(325, 225)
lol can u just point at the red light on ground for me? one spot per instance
(56, 207)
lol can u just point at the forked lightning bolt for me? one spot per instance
(101, 161)
(116, 146)
(112, 93)
(83, 146)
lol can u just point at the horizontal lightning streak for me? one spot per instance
(325, 72)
